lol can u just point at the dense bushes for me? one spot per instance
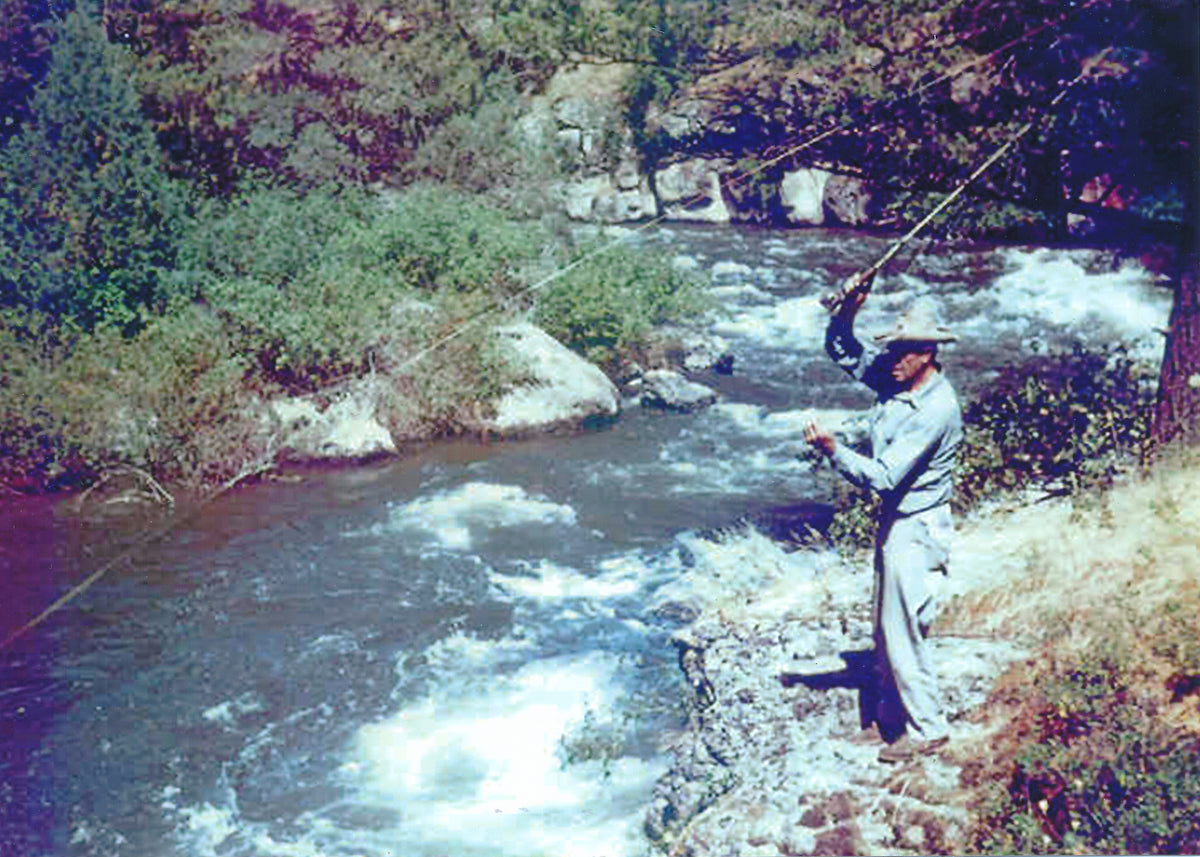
(1067, 422)
(606, 303)
(1061, 423)
(89, 223)
(278, 292)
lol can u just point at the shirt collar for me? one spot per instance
(915, 397)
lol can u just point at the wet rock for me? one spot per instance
(342, 425)
(697, 350)
(669, 390)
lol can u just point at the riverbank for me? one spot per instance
(331, 326)
(1070, 630)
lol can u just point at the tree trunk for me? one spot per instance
(1177, 415)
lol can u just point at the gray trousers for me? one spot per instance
(911, 555)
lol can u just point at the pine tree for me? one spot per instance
(88, 220)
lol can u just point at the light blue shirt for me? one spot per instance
(915, 434)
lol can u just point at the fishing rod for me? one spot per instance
(861, 281)
(855, 283)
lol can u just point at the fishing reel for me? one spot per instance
(860, 281)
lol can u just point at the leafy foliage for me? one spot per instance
(88, 222)
(605, 304)
(314, 283)
(1066, 421)
(167, 400)
(1100, 767)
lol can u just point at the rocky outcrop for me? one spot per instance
(691, 190)
(848, 200)
(602, 199)
(774, 760)
(561, 387)
(343, 425)
(802, 196)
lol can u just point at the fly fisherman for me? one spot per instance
(915, 431)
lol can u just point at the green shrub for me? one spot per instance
(440, 239)
(165, 401)
(89, 222)
(313, 285)
(609, 302)
(1101, 771)
(1069, 421)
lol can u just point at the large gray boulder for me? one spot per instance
(563, 388)
(802, 195)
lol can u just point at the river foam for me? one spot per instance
(513, 771)
(455, 518)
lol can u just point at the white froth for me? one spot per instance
(549, 581)
(229, 711)
(206, 827)
(1054, 287)
(461, 651)
(756, 420)
(486, 774)
(796, 323)
(726, 570)
(453, 517)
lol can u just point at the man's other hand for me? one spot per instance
(819, 438)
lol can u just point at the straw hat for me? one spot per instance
(920, 323)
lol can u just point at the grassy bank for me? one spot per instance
(1090, 746)
(276, 294)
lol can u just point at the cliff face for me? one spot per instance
(876, 124)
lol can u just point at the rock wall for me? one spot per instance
(580, 117)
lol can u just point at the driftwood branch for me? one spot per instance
(153, 491)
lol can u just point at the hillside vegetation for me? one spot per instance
(190, 209)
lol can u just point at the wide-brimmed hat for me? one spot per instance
(920, 323)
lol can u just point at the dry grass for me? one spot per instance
(1105, 591)
(1036, 572)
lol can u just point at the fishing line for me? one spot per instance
(557, 274)
(734, 181)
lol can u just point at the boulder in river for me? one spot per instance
(669, 390)
(562, 388)
(344, 426)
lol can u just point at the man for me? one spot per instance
(915, 431)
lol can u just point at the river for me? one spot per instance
(463, 652)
